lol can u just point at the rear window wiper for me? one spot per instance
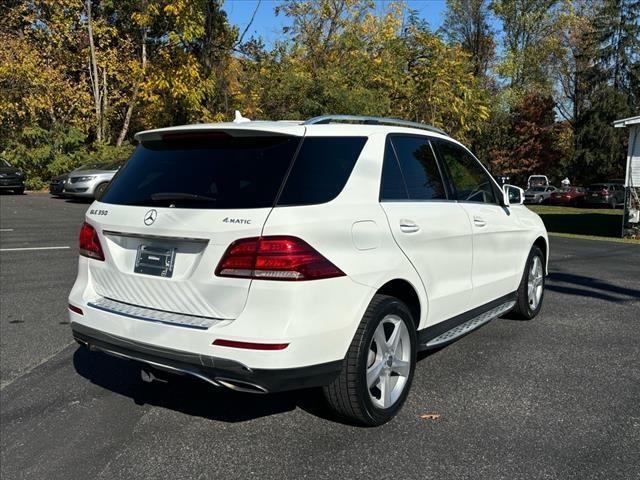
(181, 196)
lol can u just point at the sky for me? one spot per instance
(269, 27)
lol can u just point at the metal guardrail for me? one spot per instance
(325, 119)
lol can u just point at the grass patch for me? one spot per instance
(590, 223)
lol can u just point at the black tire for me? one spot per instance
(348, 395)
(99, 191)
(19, 191)
(523, 309)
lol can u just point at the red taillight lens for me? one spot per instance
(75, 309)
(250, 345)
(275, 258)
(90, 243)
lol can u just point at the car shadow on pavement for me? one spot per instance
(196, 398)
(580, 285)
(191, 396)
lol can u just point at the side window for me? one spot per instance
(419, 168)
(392, 186)
(321, 169)
(470, 180)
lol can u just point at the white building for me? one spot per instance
(632, 177)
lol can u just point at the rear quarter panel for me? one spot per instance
(352, 230)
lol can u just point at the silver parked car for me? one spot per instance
(90, 181)
(538, 194)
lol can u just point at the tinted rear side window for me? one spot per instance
(392, 184)
(321, 169)
(419, 168)
(204, 172)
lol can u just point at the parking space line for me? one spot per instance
(24, 249)
(6, 229)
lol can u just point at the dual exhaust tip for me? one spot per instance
(151, 376)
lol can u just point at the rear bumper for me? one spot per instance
(220, 372)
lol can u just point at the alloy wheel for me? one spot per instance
(535, 283)
(388, 361)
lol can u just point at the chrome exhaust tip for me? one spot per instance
(149, 377)
(241, 386)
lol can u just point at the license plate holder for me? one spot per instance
(157, 261)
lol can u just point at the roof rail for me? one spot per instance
(324, 119)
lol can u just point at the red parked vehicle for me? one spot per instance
(572, 196)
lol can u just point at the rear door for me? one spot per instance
(173, 209)
(498, 237)
(432, 231)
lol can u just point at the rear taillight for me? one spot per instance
(90, 243)
(275, 258)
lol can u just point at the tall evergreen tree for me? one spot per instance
(609, 93)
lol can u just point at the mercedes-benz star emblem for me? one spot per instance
(150, 217)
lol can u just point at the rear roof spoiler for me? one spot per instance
(243, 129)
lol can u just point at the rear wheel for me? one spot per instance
(531, 289)
(378, 369)
(19, 191)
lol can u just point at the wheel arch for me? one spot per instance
(542, 244)
(405, 291)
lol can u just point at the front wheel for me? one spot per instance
(378, 368)
(531, 290)
(99, 191)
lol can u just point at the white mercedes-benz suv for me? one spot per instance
(271, 256)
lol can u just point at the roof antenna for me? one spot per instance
(239, 118)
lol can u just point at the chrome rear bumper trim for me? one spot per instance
(152, 315)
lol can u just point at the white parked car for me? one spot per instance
(270, 256)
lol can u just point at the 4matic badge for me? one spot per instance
(244, 221)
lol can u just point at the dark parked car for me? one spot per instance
(610, 194)
(56, 185)
(572, 196)
(11, 178)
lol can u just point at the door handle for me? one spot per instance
(408, 226)
(479, 221)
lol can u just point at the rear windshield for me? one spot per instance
(597, 187)
(224, 172)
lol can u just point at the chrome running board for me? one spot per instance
(471, 324)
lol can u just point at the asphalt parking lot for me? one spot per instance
(557, 397)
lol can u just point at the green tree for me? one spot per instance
(467, 23)
(608, 91)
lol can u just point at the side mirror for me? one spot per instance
(512, 195)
